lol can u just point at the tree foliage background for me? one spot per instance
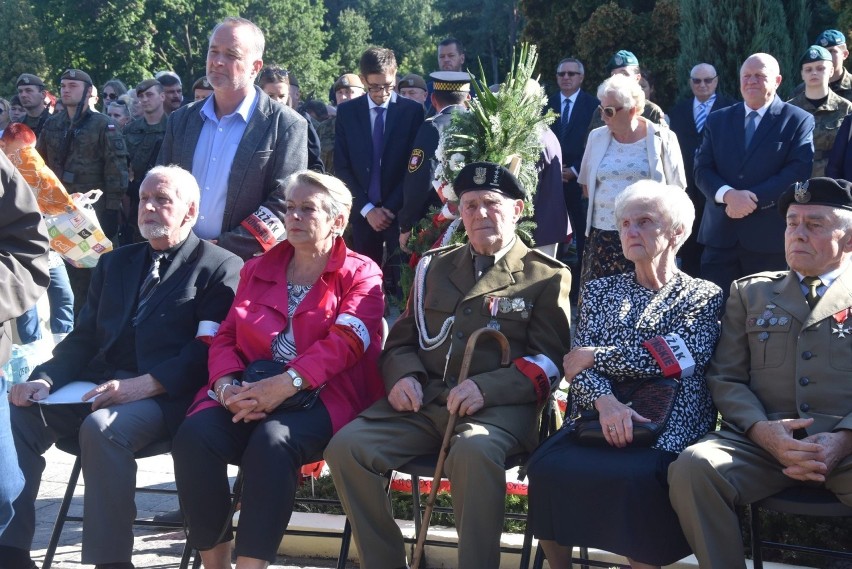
(320, 39)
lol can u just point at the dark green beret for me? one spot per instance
(202, 83)
(817, 191)
(77, 75)
(145, 85)
(488, 176)
(29, 79)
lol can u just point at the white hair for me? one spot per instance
(181, 181)
(625, 90)
(671, 201)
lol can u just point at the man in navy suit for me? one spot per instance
(575, 108)
(142, 336)
(687, 119)
(372, 141)
(750, 154)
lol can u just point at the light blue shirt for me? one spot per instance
(211, 163)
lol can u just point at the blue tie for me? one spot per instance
(750, 128)
(566, 114)
(374, 193)
(701, 117)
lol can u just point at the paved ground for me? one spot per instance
(154, 548)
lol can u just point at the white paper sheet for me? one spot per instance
(69, 394)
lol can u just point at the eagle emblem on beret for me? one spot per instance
(801, 193)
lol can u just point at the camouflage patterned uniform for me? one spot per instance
(97, 159)
(325, 131)
(827, 118)
(842, 86)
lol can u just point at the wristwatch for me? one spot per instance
(298, 382)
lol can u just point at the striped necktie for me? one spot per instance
(149, 285)
(566, 114)
(701, 117)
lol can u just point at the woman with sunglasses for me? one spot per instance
(111, 91)
(628, 148)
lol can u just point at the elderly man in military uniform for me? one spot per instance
(87, 151)
(144, 137)
(495, 281)
(626, 63)
(780, 378)
(451, 90)
(31, 94)
(828, 108)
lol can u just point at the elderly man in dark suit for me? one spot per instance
(780, 378)
(687, 119)
(372, 141)
(575, 109)
(142, 337)
(239, 145)
(495, 280)
(750, 153)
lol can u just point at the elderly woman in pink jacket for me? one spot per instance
(308, 313)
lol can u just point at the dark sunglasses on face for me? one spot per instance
(706, 80)
(111, 96)
(568, 73)
(609, 112)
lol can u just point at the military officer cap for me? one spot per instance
(29, 79)
(830, 38)
(412, 81)
(145, 85)
(77, 75)
(347, 81)
(622, 58)
(450, 81)
(818, 191)
(488, 176)
(202, 83)
(815, 53)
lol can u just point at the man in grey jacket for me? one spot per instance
(239, 145)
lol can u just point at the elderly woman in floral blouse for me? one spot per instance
(615, 496)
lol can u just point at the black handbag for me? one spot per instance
(261, 369)
(652, 397)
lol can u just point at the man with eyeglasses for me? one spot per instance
(687, 119)
(31, 94)
(372, 142)
(626, 63)
(239, 145)
(144, 137)
(750, 153)
(575, 108)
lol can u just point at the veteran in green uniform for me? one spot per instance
(451, 91)
(86, 151)
(494, 280)
(780, 379)
(828, 108)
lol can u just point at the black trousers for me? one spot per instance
(270, 453)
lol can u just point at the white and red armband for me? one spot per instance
(207, 331)
(672, 355)
(354, 331)
(265, 226)
(541, 371)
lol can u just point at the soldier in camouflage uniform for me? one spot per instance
(841, 80)
(31, 93)
(144, 137)
(626, 63)
(87, 151)
(828, 108)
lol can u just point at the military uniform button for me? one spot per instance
(804, 407)
(804, 381)
(467, 311)
(806, 355)
(459, 335)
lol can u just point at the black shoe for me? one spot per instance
(120, 565)
(173, 517)
(15, 558)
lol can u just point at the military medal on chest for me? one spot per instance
(493, 308)
(840, 323)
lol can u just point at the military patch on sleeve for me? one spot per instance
(415, 161)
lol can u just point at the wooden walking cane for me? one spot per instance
(451, 425)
